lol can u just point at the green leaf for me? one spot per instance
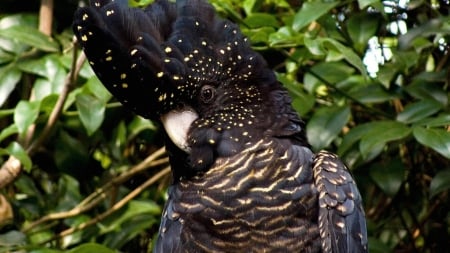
(325, 125)
(92, 111)
(332, 72)
(437, 139)
(361, 27)
(16, 150)
(46, 67)
(379, 134)
(9, 77)
(301, 101)
(311, 11)
(8, 131)
(419, 110)
(285, 37)
(25, 114)
(30, 36)
(259, 35)
(429, 86)
(130, 221)
(98, 89)
(441, 120)
(365, 3)
(440, 182)
(257, 20)
(91, 247)
(348, 54)
(353, 136)
(371, 93)
(11, 238)
(139, 124)
(249, 5)
(389, 177)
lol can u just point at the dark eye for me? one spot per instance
(207, 94)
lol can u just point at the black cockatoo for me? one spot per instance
(244, 176)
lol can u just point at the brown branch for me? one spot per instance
(12, 167)
(71, 78)
(96, 197)
(46, 17)
(115, 207)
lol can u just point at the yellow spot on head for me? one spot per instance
(85, 16)
(133, 52)
(159, 74)
(123, 76)
(109, 58)
(124, 85)
(84, 38)
(211, 141)
(168, 49)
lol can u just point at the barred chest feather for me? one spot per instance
(261, 200)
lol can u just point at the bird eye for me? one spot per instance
(207, 94)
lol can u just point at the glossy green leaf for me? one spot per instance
(361, 27)
(310, 12)
(441, 120)
(257, 20)
(92, 111)
(440, 182)
(8, 131)
(425, 29)
(45, 250)
(46, 66)
(371, 93)
(11, 238)
(139, 124)
(30, 36)
(133, 208)
(129, 222)
(325, 125)
(429, 87)
(91, 248)
(301, 101)
(17, 20)
(416, 111)
(437, 139)
(16, 150)
(379, 134)
(347, 53)
(98, 89)
(25, 114)
(353, 136)
(365, 3)
(389, 177)
(9, 77)
(285, 37)
(332, 72)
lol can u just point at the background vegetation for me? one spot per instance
(370, 77)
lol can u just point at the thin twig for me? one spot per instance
(114, 208)
(96, 197)
(69, 83)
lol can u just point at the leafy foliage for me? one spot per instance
(369, 77)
